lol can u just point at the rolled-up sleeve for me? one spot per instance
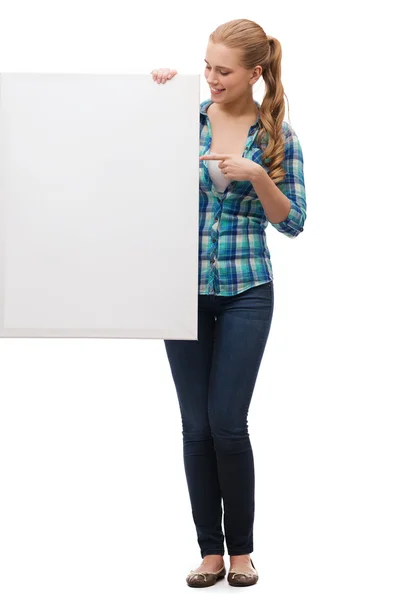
(293, 186)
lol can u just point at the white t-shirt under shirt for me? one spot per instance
(220, 181)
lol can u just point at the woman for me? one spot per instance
(251, 173)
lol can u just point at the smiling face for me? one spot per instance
(223, 71)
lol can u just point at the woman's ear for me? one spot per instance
(257, 72)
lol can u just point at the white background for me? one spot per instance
(93, 493)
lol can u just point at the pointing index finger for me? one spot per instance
(215, 156)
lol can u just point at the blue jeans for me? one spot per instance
(214, 378)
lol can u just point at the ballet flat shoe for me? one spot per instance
(238, 579)
(204, 578)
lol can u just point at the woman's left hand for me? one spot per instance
(234, 166)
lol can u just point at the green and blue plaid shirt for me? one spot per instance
(233, 251)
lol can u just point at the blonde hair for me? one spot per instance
(259, 49)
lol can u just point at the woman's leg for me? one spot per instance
(242, 329)
(190, 363)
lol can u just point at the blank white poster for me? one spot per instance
(98, 206)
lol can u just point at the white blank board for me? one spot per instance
(99, 193)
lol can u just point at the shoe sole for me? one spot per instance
(234, 583)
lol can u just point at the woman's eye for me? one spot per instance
(220, 71)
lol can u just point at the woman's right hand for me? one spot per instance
(161, 75)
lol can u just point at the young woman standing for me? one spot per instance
(251, 174)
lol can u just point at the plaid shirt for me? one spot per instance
(233, 251)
